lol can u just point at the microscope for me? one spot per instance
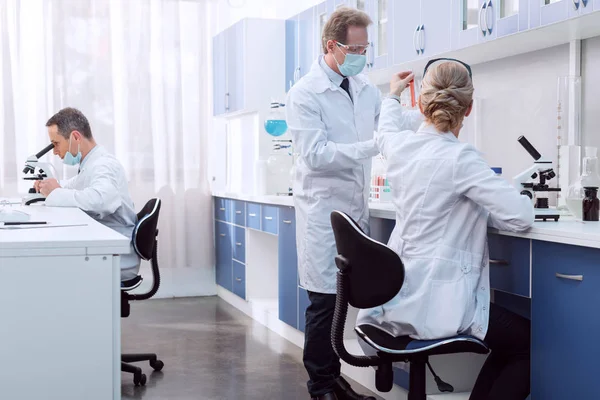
(39, 171)
(538, 191)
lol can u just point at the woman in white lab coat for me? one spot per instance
(445, 195)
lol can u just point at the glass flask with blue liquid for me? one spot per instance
(275, 124)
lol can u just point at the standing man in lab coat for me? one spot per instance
(332, 113)
(99, 188)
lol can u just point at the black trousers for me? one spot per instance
(321, 362)
(506, 372)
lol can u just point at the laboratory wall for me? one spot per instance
(590, 90)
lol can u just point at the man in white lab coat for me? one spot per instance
(332, 113)
(99, 188)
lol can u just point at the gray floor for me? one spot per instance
(211, 351)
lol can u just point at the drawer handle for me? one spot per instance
(238, 279)
(223, 235)
(268, 218)
(252, 215)
(570, 277)
(238, 244)
(287, 222)
(499, 262)
(238, 212)
(222, 209)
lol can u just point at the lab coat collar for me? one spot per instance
(95, 152)
(320, 80)
(430, 129)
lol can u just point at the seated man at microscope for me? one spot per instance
(100, 187)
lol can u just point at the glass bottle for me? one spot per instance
(589, 178)
(591, 204)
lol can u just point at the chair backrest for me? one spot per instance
(144, 233)
(374, 272)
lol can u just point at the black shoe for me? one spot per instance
(344, 391)
(328, 396)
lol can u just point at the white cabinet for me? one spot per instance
(381, 34)
(581, 7)
(508, 16)
(240, 54)
(596, 5)
(320, 17)
(473, 22)
(421, 29)
(546, 12)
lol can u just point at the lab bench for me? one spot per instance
(549, 274)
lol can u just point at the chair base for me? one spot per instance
(139, 379)
(417, 379)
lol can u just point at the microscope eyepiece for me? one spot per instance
(44, 150)
(529, 147)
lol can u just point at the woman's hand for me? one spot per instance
(400, 81)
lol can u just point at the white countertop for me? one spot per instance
(567, 230)
(91, 238)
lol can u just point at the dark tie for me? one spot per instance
(346, 86)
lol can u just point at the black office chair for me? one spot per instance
(371, 274)
(145, 244)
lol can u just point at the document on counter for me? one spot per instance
(35, 225)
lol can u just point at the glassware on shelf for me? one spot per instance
(589, 178)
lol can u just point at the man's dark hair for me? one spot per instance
(68, 120)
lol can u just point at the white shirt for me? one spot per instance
(333, 137)
(100, 189)
(444, 194)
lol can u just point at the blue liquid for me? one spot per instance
(275, 127)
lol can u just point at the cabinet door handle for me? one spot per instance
(268, 218)
(415, 39)
(238, 244)
(422, 39)
(499, 262)
(576, 4)
(238, 212)
(226, 101)
(223, 235)
(222, 209)
(489, 28)
(570, 277)
(584, 2)
(287, 222)
(482, 27)
(238, 279)
(252, 215)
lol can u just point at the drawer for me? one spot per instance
(223, 254)
(510, 264)
(239, 279)
(253, 216)
(565, 321)
(222, 209)
(303, 303)
(288, 267)
(239, 212)
(239, 244)
(269, 219)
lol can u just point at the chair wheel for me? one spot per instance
(139, 379)
(157, 365)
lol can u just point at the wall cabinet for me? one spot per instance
(300, 46)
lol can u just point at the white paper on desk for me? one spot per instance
(48, 225)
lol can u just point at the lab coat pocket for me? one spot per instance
(446, 309)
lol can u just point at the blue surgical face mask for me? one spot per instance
(353, 64)
(70, 159)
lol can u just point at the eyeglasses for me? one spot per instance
(449, 59)
(360, 49)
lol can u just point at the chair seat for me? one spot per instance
(406, 346)
(131, 284)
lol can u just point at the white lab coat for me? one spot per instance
(100, 189)
(333, 137)
(444, 194)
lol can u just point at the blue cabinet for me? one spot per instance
(288, 267)
(253, 216)
(269, 219)
(239, 279)
(564, 337)
(219, 74)
(239, 244)
(239, 213)
(223, 209)
(510, 264)
(223, 264)
(303, 303)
